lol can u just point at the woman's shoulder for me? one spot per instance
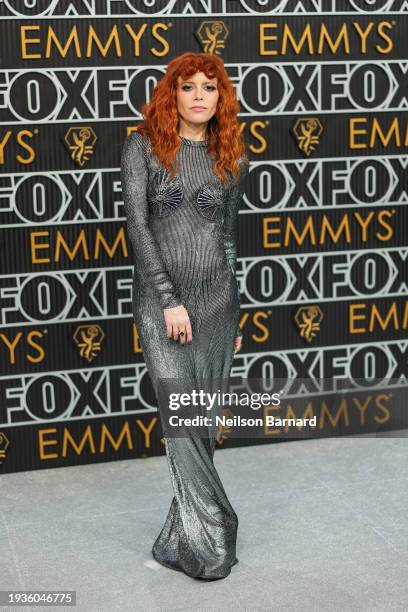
(136, 144)
(243, 165)
(137, 138)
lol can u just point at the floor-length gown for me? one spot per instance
(183, 236)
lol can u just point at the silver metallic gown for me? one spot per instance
(183, 236)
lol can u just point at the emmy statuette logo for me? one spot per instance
(307, 133)
(212, 36)
(4, 444)
(308, 319)
(223, 430)
(80, 142)
(89, 338)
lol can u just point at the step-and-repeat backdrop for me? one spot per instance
(322, 245)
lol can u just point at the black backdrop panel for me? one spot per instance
(323, 223)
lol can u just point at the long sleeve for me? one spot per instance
(147, 256)
(231, 223)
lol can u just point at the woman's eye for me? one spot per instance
(186, 87)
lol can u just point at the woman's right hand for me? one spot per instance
(177, 320)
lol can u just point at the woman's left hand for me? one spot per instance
(237, 343)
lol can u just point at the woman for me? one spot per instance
(182, 174)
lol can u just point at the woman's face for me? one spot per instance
(197, 98)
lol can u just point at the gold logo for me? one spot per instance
(212, 36)
(89, 339)
(4, 444)
(223, 430)
(80, 142)
(308, 319)
(308, 132)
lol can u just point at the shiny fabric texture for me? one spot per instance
(183, 236)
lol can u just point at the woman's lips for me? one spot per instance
(197, 109)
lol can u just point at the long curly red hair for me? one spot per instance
(160, 125)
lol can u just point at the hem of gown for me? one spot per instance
(179, 569)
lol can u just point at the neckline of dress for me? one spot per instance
(194, 143)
